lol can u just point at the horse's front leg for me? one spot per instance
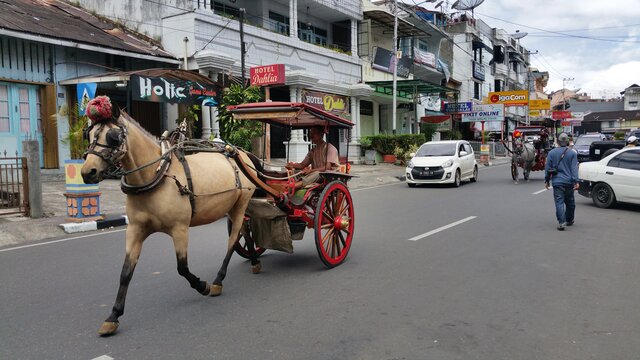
(180, 235)
(135, 236)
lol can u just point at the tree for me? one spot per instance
(233, 131)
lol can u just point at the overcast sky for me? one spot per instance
(599, 68)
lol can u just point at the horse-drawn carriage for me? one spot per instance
(176, 183)
(529, 149)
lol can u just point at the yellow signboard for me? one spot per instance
(534, 112)
(539, 104)
(509, 98)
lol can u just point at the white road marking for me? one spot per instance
(415, 238)
(376, 186)
(538, 192)
(103, 357)
(60, 240)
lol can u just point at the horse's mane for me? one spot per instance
(144, 131)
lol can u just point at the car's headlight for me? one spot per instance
(447, 164)
(410, 165)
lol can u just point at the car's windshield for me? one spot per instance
(586, 140)
(448, 149)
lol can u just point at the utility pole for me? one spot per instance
(394, 58)
(242, 50)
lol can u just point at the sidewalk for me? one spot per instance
(21, 229)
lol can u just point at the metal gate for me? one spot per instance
(14, 185)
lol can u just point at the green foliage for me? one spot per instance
(386, 144)
(451, 135)
(365, 143)
(404, 154)
(75, 140)
(191, 117)
(619, 135)
(235, 131)
(428, 130)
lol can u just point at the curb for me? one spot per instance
(71, 228)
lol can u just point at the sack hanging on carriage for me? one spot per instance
(269, 226)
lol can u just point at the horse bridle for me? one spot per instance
(115, 148)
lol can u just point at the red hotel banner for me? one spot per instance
(267, 75)
(557, 115)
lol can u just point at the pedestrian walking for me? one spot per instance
(561, 171)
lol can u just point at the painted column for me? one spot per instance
(206, 114)
(298, 146)
(354, 144)
(293, 18)
(215, 131)
(354, 37)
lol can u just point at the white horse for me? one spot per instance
(523, 155)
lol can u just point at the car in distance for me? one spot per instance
(442, 162)
(582, 144)
(614, 178)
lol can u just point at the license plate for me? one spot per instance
(427, 172)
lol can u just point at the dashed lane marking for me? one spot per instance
(538, 192)
(421, 236)
(103, 357)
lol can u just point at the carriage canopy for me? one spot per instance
(291, 114)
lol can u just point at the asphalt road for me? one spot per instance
(498, 281)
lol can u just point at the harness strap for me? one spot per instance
(140, 189)
(187, 172)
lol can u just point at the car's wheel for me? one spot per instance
(603, 196)
(456, 180)
(475, 174)
(411, 185)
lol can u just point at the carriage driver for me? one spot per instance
(322, 157)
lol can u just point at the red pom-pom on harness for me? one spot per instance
(99, 109)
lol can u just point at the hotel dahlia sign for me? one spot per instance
(328, 102)
(267, 75)
(509, 98)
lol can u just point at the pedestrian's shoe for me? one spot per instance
(569, 223)
(561, 227)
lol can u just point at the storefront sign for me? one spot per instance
(159, 89)
(539, 104)
(384, 60)
(327, 102)
(485, 113)
(431, 103)
(86, 92)
(461, 107)
(267, 75)
(557, 115)
(478, 70)
(534, 112)
(442, 122)
(509, 98)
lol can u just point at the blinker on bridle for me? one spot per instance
(116, 140)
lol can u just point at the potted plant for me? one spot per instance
(368, 150)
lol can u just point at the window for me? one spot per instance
(312, 34)
(5, 124)
(25, 113)
(468, 149)
(497, 85)
(225, 10)
(476, 90)
(627, 160)
(279, 23)
(422, 45)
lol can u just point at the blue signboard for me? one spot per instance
(86, 92)
(461, 107)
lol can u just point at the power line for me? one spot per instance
(598, 28)
(560, 33)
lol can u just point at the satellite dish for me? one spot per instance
(466, 4)
(439, 4)
(518, 35)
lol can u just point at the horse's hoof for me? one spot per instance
(108, 328)
(256, 268)
(215, 290)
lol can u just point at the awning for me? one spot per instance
(407, 88)
(177, 74)
(435, 119)
(295, 115)
(385, 18)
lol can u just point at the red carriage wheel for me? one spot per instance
(334, 224)
(241, 246)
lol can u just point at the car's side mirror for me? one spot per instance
(463, 153)
(412, 155)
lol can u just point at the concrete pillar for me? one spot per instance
(31, 150)
(215, 131)
(298, 146)
(354, 37)
(293, 18)
(354, 144)
(206, 113)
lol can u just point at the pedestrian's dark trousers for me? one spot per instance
(565, 203)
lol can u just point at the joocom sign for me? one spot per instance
(158, 89)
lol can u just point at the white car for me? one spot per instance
(614, 178)
(442, 162)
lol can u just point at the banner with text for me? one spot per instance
(485, 113)
(461, 107)
(539, 104)
(267, 75)
(328, 102)
(159, 89)
(509, 98)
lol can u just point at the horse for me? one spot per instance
(523, 155)
(160, 203)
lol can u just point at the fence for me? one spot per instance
(14, 185)
(495, 148)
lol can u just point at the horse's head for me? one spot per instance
(107, 137)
